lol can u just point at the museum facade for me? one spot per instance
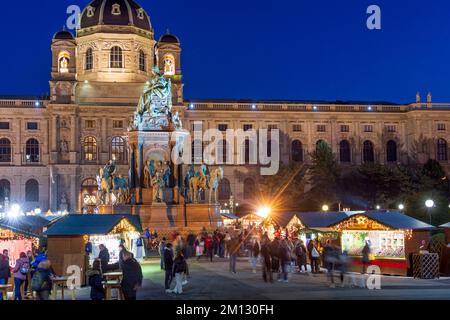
(51, 149)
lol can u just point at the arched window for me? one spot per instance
(32, 191)
(442, 150)
(32, 151)
(142, 63)
(90, 149)
(5, 150)
(116, 59)
(224, 190)
(63, 62)
(89, 65)
(297, 151)
(5, 191)
(249, 189)
(197, 151)
(169, 65)
(118, 149)
(344, 151)
(368, 153)
(391, 151)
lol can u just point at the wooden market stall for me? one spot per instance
(445, 256)
(393, 237)
(70, 239)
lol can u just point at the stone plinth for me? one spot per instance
(119, 209)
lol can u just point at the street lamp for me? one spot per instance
(401, 207)
(429, 204)
(378, 207)
(263, 212)
(325, 208)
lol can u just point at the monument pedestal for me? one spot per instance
(118, 209)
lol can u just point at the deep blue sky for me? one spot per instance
(283, 49)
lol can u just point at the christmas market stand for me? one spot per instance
(20, 234)
(393, 238)
(445, 256)
(74, 239)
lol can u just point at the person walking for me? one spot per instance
(190, 245)
(168, 266)
(365, 257)
(233, 248)
(255, 251)
(95, 278)
(4, 271)
(122, 251)
(132, 276)
(161, 250)
(314, 256)
(20, 271)
(179, 268)
(199, 247)
(209, 247)
(300, 253)
(275, 256)
(266, 260)
(329, 257)
(285, 261)
(41, 282)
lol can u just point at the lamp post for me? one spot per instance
(401, 207)
(429, 204)
(325, 208)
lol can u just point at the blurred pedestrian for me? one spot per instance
(275, 255)
(329, 257)
(161, 247)
(168, 266)
(300, 253)
(20, 271)
(314, 256)
(132, 276)
(285, 261)
(104, 257)
(95, 281)
(4, 271)
(365, 257)
(209, 242)
(266, 260)
(255, 251)
(233, 249)
(179, 268)
(41, 282)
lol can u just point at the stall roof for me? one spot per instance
(396, 220)
(77, 224)
(446, 225)
(26, 225)
(313, 220)
(230, 216)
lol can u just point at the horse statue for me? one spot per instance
(213, 183)
(120, 189)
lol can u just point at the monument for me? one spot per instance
(156, 188)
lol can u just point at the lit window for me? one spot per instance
(169, 65)
(116, 58)
(118, 149)
(32, 151)
(63, 62)
(90, 149)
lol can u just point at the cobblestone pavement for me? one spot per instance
(213, 281)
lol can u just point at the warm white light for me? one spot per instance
(37, 103)
(191, 106)
(37, 211)
(253, 106)
(325, 208)
(378, 207)
(369, 108)
(263, 212)
(315, 108)
(86, 81)
(401, 207)
(237, 204)
(429, 203)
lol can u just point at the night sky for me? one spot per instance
(280, 50)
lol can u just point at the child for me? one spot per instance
(179, 268)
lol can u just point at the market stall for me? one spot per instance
(20, 234)
(229, 219)
(74, 239)
(445, 256)
(393, 238)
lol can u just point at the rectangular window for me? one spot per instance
(271, 127)
(321, 128)
(32, 126)
(223, 127)
(117, 124)
(391, 129)
(247, 127)
(4, 125)
(89, 124)
(197, 126)
(368, 128)
(297, 128)
(441, 126)
(345, 128)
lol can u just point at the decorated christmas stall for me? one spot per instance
(21, 234)
(74, 239)
(393, 238)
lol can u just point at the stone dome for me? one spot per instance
(115, 13)
(168, 38)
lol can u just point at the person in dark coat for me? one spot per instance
(121, 252)
(267, 260)
(4, 271)
(179, 268)
(95, 278)
(132, 276)
(275, 255)
(168, 265)
(104, 257)
(41, 282)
